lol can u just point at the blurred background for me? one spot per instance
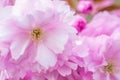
(88, 8)
(113, 4)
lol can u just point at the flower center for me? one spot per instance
(36, 34)
(109, 67)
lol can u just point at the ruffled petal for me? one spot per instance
(64, 70)
(18, 47)
(56, 41)
(45, 57)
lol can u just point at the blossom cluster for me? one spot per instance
(47, 40)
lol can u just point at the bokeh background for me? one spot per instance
(112, 6)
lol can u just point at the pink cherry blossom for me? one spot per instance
(111, 70)
(39, 31)
(96, 48)
(36, 39)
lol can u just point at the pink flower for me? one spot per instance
(36, 39)
(103, 58)
(90, 50)
(42, 32)
(110, 70)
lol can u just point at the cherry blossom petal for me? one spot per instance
(64, 70)
(18, 47)
(45, 57)
(56, 41)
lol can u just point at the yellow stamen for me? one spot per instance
(109, 67)
(36, 34)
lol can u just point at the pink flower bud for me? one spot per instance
(80, 24)
(85, 6)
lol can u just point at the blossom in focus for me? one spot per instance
(38, 34)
